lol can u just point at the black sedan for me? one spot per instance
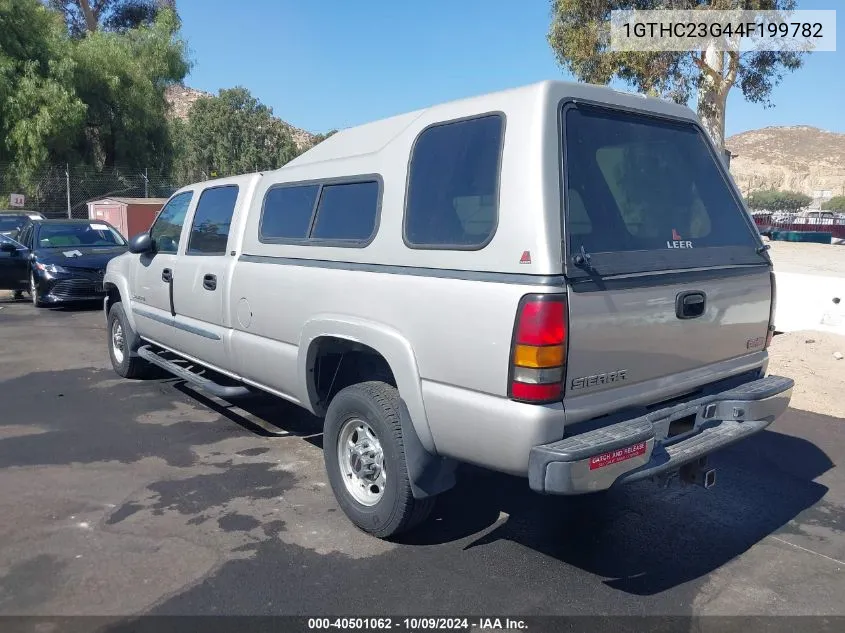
(59, 260)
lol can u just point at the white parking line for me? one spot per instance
(838, 562)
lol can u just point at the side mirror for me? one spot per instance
(8, 247)
(141, 243)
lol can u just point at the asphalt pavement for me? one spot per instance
(122, 497)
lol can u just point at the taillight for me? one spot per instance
(538, 356)
(772, 308)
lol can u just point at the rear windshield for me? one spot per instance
(12, 222)
(636, 183)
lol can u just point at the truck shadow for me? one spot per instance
(640, 538)
(260, 413)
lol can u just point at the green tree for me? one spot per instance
(837, 203)
(96, 101)
(319, 138)
(576, 36)
(41, 113)
(231, 133)
(121, 78)
(89, 16)
(773, 200)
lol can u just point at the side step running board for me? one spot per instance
(146, 352)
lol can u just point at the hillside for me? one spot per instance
(182, 98)
(798, 158)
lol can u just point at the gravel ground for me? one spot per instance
(808, 358)
(812, 259)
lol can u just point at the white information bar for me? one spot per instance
(738, 30)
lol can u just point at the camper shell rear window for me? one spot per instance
(647, 193)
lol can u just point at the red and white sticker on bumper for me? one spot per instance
(619, 455)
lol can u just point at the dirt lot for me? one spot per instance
(809, 358)
(813, 259)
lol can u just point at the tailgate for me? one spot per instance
(667, 273)
(637, 330)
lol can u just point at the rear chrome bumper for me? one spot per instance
(640, 447)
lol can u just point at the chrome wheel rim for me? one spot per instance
(361, 460)
(117, 341)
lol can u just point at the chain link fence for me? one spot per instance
(62, 191)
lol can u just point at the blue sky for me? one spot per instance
(323, 64)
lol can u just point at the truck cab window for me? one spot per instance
(210, 228)
(167, 228)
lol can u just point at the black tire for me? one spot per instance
(131, 365)
(378, 405)
(33, 291)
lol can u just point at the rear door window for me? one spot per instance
(11, 222)
(638, 183)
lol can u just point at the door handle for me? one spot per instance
(167, 275)
(209, 282)
(690, 305)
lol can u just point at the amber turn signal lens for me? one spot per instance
(538, 356)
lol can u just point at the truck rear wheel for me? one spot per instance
(123, 343)
(365, 460)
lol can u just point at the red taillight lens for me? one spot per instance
(535, 393)
(541, 323)
(538, 355)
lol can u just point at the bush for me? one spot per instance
(772, 200)
(837, 203)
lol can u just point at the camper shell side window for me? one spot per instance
(452, 197)
(341, 212)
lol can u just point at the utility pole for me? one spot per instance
(67, 183)
(146, 184)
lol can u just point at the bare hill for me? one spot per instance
(182, 98)
(798, 158)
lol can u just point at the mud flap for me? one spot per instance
(430, 474)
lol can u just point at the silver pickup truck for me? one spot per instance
(558, 281)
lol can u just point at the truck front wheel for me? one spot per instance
(123, 343)
(365, 460)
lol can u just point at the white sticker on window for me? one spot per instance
(35, 217)
(99, 227)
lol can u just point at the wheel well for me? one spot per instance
(338, 363)
(113, 296)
